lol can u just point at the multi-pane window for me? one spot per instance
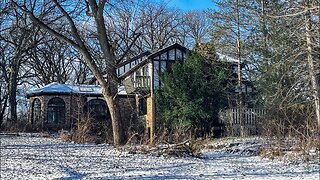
(56, 111)
(36, 111)
(142, 78)
(163, 63)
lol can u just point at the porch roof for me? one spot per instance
(57, 88)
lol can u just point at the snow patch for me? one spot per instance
(36, 157)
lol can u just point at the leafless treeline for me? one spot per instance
(74, 41)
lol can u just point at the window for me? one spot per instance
(121, 70)
(36, 111)
(179, 54)
(163, 66)
(142, 77)
(142, 106)
(127, 67)
(164, 56)
(97, 108)
(56, 111)
(156, 74)
(171, 54)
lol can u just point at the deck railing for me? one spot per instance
(245, 116)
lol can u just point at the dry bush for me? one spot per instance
(292, 149)
(293, 121)
(176, 134)
(272, 151)
(136, 130)
(183, 149)
(88, 130)
(21, 125)
(65, 135)
(294, 132)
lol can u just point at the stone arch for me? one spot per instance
(97, 108)
(36, 111)
(56, 112)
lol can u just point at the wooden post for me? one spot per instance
(153, 118)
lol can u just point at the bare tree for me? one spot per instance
(230, 26)
(161, 26)
(311, 58)
(197, 26)
(285, 45)
(95, 13)
(16, 38)
(55, 61)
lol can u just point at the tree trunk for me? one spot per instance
(312, 73)
(109, 91)
(117, 126)
(12, 90)
(3, 108)
(240, 98)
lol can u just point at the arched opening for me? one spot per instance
(97, 115)
(36, 111)
(97, 108)
(56, 111)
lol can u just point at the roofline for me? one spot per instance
(69, 93)
(126, 74)
(145, 53)
(175, 45)
(62, 93)
(149, 58)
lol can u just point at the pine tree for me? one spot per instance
(193, 93)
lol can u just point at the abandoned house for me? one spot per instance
(57, 105)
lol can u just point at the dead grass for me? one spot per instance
(293, 150)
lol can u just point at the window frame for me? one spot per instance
(56, 111)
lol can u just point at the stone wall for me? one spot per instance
(43, 124)
(74, 105)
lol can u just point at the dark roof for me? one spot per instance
(136, 67)
(146, 53)
(150, 56)
(159, 52)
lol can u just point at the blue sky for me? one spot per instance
(191, 4)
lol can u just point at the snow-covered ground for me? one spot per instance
(34, 157)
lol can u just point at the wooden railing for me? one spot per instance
(246, 116)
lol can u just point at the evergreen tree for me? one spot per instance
(193, 93)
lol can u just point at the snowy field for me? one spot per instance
(32, 157)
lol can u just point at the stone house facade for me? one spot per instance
(60, 106)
